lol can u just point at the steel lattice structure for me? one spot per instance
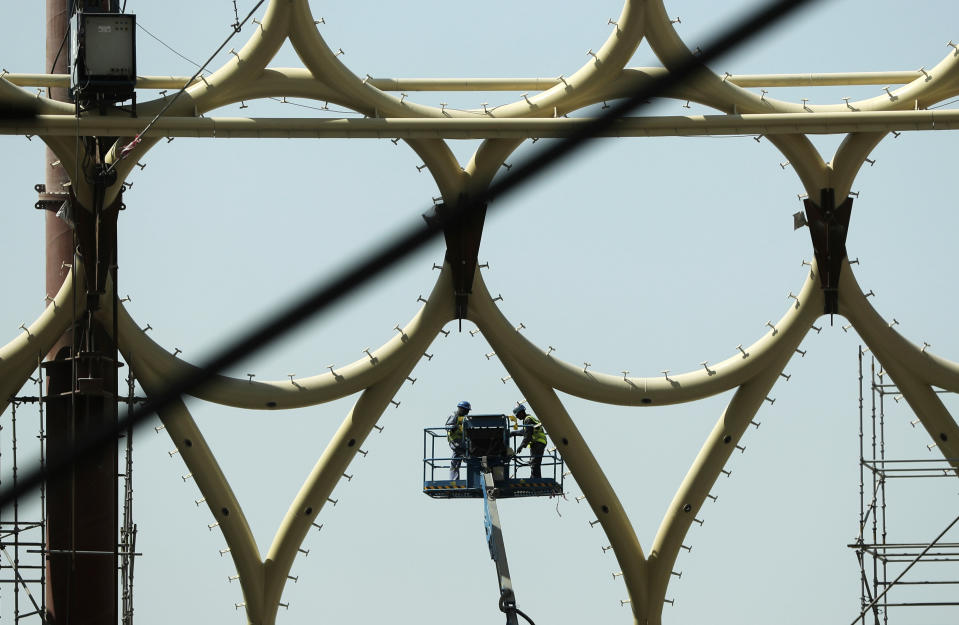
(750, 371)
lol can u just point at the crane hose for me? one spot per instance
(511, 607)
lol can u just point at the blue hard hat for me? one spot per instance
(464, 405)
(521, 409)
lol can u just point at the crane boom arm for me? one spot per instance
(497, 549)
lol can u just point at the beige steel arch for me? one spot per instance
(538, 373)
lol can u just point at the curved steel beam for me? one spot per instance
(653, 391)
(587, 472)
(849, 159)
(602, 67)
(263, 581)
(934, 416)
(22, 355)
(919, 361)
(309, 391)
(487, 160)
(724, 94)
(805, 159)
(327, 472)
(213, 485)
(706, 469)
(248, 64)
(914, 370)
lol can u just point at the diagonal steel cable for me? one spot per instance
(407, 242)
(237, 26)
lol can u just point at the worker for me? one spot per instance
(534, 436)
(454, 435)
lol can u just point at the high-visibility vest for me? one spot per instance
(539, 434)
(454, 433)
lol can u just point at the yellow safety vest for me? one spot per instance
(539, 434)
(455, 435)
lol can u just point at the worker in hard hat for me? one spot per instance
(455, 437)
(533, 435)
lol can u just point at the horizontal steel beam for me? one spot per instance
(483, 127)
(520, 84)
(63, 81)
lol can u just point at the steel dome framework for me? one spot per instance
(750, 371)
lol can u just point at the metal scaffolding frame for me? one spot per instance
(22, 565)
(128, 529)
(884, 563)
(23, 550)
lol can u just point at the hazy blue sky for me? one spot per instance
(640, 254)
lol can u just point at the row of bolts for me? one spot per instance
(525, 96)
(318, 526)
(508, 166)
(711, 497)
(741, 448)
(898, 398)
(305, 552)
(211, 526)
(349, 478)
(521, 326)
(757, 139)
(687, 548)
(590, 52)
(578, 499)
(489, 356)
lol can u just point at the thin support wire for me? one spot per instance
(136, 140)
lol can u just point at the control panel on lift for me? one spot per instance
(494, 437)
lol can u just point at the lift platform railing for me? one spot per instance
(512, 476)
(435, 464)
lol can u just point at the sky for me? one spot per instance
(638, 254)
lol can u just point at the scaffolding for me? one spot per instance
(896, 573)
(22, 538)
(128, 529)
(23, 531)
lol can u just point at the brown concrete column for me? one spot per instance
(81, 369)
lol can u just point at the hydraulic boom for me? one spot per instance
(497, 549)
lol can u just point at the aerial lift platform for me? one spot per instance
(491, 466)
(487, 435)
